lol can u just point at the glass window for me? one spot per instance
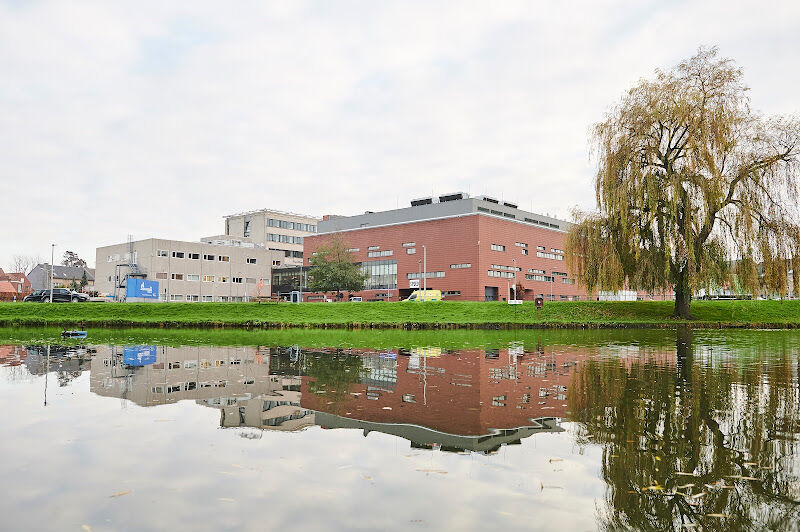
(162, 253)
(178, 254)
(498, 247)
(384, 253)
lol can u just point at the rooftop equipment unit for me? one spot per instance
(421, 201)
(507, 204)
(490, 200)
(452, 197)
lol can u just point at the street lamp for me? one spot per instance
(424, 268)
(515, 278)
(52, 255)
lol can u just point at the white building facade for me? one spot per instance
(233, 270)
(275, 230)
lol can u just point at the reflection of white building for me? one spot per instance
(236, 380)
(275, 410)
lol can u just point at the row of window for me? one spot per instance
(384, 253)
(294, 226)
(205, 278)
(196, 256)
(547, 278)
(545, 255)
(285, 239)
(427, 275)
(188, 386)
(115, 257)
(506, 268)
(193, 364)
(556, 254)
(205, 299)
(460, 266)
(513, 216)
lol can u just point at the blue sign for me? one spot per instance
(142, 288)
(139, 355)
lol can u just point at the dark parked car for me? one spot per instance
(63, 295)
(37, 295)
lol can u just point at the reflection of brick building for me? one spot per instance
(12, 355)
(467, 392)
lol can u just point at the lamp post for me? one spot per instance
(515, 278)
(52, 255)
(424, 268)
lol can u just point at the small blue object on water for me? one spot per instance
(73, 334)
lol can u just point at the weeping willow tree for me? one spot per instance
(694, 189)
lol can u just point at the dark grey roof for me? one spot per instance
(68, 272)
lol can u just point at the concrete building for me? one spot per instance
(276, 230)
(225, 270)
(63, 276)
(469, 248)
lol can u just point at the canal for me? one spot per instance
(542, 430)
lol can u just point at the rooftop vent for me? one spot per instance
(507, 204)
(421, 201)
(452, 197)
(490, 200)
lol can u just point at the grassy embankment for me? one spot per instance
(450, 314)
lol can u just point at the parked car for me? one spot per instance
(356, 299)
(425, 295)
(36, 295)
(64, 295)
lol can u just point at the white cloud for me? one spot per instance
(157, 119)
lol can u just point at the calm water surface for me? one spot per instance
(551, 431)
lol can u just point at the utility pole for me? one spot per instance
(424, 268)
(52, 256)
(515, 278)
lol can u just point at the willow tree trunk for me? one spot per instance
(683, 296)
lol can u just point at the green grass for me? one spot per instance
(455, 314)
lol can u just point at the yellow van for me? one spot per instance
(425, 295)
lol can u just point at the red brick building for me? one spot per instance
(13, 286)
(469, 248)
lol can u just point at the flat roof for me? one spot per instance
(272, 211)
(439, 210)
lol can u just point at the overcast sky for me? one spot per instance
(156, 120)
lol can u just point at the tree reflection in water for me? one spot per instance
(709, 441)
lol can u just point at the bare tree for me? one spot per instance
(24, 263)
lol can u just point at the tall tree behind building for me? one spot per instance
(72, 259)
(691, 181)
